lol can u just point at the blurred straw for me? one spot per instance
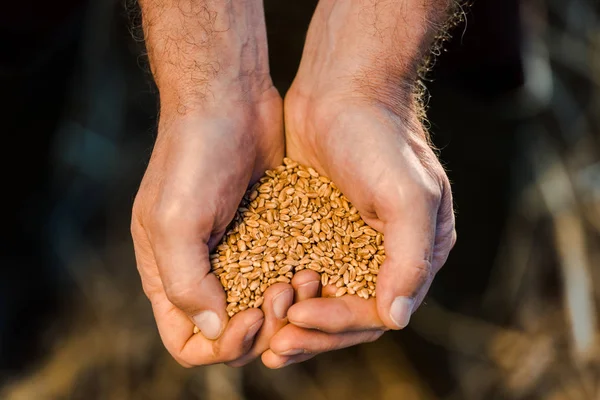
(558, 193)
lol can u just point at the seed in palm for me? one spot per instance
(295, 219)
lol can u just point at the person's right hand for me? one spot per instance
(202, 163)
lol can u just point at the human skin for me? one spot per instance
(220, 128)
(350, 113)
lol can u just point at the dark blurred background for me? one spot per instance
(515, 110)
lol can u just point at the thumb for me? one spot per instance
(407, 270)
(182, 257)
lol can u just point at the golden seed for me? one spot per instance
(290, 220)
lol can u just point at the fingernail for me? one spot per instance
(209, 324)
(311, 286)
(401, 311)
(293, 352)
(253, 330)
(282, 302)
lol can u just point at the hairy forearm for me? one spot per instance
(392, 33)
(203, 50)
(373, 47)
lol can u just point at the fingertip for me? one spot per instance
(400, 284)
(209, 323)
(305, 276)
(270, 359)
(250, 316)
(298, 313)
(329, 291)
(275, 361)
(278, 299)
(203, 302)
(307, 284)
(395, 309)
(401, 311)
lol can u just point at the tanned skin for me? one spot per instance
(351, 113)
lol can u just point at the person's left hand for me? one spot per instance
(376, 151)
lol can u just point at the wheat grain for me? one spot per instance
(290, 220)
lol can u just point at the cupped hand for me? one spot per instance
(381, 160)
(201, 165)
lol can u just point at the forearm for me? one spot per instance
(374, 47)
(201, 51)
(393, 33)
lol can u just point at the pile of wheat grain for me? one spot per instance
(290, 220)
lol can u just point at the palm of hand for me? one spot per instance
(199, 170)
(389, 172)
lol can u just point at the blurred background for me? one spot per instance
(515, 111)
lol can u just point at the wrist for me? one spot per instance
(255, 116)
(315, 98)
(220, 96)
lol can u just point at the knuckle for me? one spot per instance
(182, 295)
(150, 290)
(221, 353)
(453, 238)
(167, 215)
(136, 219)
(420, 273)
(446, 239)
(424, 192)
(430, 194)
(134, 227)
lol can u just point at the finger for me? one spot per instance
(278, 299)
(329, 291)
(348, 313)
(175, 327)
(181, 252)
(189, 349)
(445, 236)
(292, 340)
(306, 284)
(420, 298)
(407, 269)
(274, 361)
